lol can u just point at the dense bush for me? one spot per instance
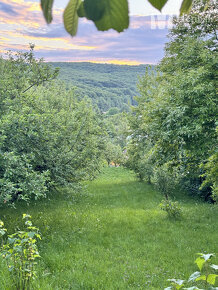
(19, 178)
(165, 181)
(47, 136)
(211, 176)
(114, 154)
(175, 120)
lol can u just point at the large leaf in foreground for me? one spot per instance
(186, 6)
(46, 6)
(71, 17)
(94, 9)
(159, 4)
(116, 16)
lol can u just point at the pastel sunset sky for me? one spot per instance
(21, 23)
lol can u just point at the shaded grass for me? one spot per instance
(115, 236)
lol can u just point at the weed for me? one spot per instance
(21, 253)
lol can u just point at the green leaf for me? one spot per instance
(207, 256)
(159, 4)
(10, 268)
(116, 16)
(81, 11)
(211, 279)
(186, 6)
(94, 9)
(2, 232)
(177, 283)
(38, 236)
(46, 6)
(179, 286)
(18, 249)
(200, 262)
(215, 267)
(194, 276)
(193, 288)
(201, 278)
(26, 216)
(31, 234)
(71, 17)
(11, 241)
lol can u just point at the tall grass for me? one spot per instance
(114, 236)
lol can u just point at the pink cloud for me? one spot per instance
(138, 44)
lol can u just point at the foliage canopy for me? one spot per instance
(176, 117)
(48, 137)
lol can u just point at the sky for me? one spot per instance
(21, 23)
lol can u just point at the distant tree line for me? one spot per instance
(107, 85)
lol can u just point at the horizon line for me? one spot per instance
(109, 62)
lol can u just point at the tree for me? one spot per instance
(19, 73)
(114, 154)
(140, 147)
(117, 128)
(106, 14)
(47, 136)
(190, 70)
(177, 111)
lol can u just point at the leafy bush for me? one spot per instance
(164, 180)
(145, 167)
(211, 175)
(205, 274)
(114, 154)
(141, 157)
(21, 253)
(48, 137)
(177, 108)
(172, 208)
(191, 184)
(19, 180)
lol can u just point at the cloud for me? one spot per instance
(8, 9)
(143, 42)
(57, 31)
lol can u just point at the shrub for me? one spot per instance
(173, 209)
(21, 253)
(211, 175)
(18, 179)
(164, 180)
(45, 131)
(205, 274)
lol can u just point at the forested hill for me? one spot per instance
(108, 85)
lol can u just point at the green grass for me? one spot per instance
(114, 236)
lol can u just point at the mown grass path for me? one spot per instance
(116, 237)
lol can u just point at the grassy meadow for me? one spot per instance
(114, 236)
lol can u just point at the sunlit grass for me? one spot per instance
(114, 236)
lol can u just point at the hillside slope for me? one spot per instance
(107, 85)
